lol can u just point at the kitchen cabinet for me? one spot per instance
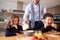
(5, 16)
(54, 10)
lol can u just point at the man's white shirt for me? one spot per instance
(27, 14)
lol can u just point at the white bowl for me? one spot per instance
(28, 32)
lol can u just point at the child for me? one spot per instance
(48, 23)
(12, 26)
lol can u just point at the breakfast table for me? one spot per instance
(17, 37)
(24, 37)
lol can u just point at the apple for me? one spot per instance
(34, 38)
(44, 39)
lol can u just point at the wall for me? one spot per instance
(54, 10)
(8, 4)
(19, 5)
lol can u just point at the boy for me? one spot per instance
(48, 23)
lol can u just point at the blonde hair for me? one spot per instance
(10, 20)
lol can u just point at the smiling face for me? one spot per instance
(15, 21)
(36, 1)
(48, 20)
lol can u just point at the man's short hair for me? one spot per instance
(47, 15)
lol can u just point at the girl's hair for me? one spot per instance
(10, 20)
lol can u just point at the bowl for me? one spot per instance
(28, 32)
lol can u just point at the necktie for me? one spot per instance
(32, 16)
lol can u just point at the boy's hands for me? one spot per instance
(54, 25)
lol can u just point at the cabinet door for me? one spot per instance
(20, 5)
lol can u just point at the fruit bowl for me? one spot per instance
(39, 36)
(36, 38)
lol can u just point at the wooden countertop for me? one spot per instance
(17, 37)
(23, 37)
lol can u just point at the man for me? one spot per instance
(48, 23)
(34, 14)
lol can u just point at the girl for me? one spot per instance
(12, 26)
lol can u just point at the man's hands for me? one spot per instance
(25, 25)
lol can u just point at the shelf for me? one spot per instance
(12, 13)
(2, 22)
(56, 21)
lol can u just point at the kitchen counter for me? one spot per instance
(23, 37)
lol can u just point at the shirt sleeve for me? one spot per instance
(43, 8)
(43, 11)
(26, 14)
